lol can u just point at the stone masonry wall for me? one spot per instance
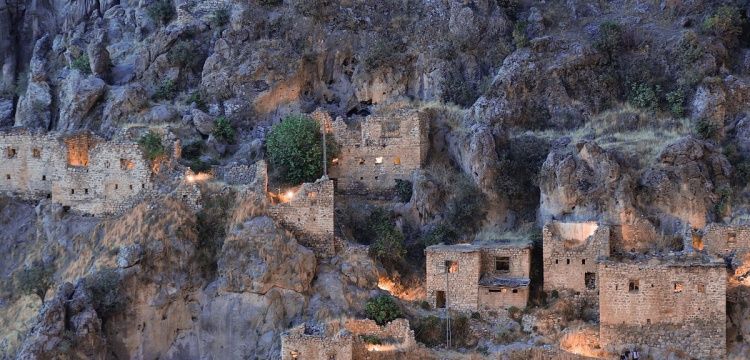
(492, 299)
(381, 150)
(396, 336)
(520, 261)
(83, 172)
(570, 250)
(675, 306)
(295, 344)
(462, 292)
(722, 239)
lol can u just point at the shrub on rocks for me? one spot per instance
(383, 309)
(35, 279)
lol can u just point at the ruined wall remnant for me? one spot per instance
(378, 150)
(664, 303)
(570, 252)
(472, 277)
(720, 239)
(82, 172)
(349, 341)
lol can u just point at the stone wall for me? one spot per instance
(396, 337)
(476, 283)
(378, 150)
(308, 212)
(82, 172)
(297, 343)
(722, 239)
(668, 304)
(570, 252)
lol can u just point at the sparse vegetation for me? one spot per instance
(690, 48)
(675, 102)
(459, 90)
(220, 18)
(295, 149)
(388, 246)
(270, 3)
(184, 54)
(384, 53)
(82, 64)
(151, 145)
(166, 91)
(404, 190)
(198, 99)
(35, 279)
(371, 339)
(383, 309)
(609, 38)
(106, 295)
(644, 96)
(441, 233)
(726, 23)
(520, 39)
(211, 224)
(161, 11)
(223, 129)
(705, 129)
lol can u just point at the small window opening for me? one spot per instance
(583, 261)
(451, 266)
(131, 187)
(126, 164)
(10, 152)
(515, 291)
(7, 177)
(589, 279)
(44, 177)
(72, 191)
(648, 321)
(36, 152)
(379, 160)
(440, 299)
(557, 261)
(731, 239)
(184, 197)
(633, 286)
(495, 290)
(397, 161)
(335, 161)
(361, 161)
(143, 186)
(502, 263)
(701, 288)
(86, 191)
(567, 262)
(677, 287)
(117, 186)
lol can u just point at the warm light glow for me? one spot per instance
(379, 160)
(191, 178)
(400, 291)
(379, 348)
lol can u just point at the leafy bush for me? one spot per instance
(424, 305)
(705, 129)
(476, 315)
(676, 101)
(554, 294)
(441, 233)
(197, 97)
(726, 23)
(151, 145)
(295, 149)
(161, 11)
(404, 190)
(690, 48)
(388, 246)
(106, 296)
(609, 38)
(383, 309)
(166, 91)
(82, 64)
(223, 129)
(220, 18)
(515, 313)
(371, 339)
(519, 34)
(644, 96)
(35, 279)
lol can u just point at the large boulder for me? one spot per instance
(123, 104)
(78, 94)
(257, 256)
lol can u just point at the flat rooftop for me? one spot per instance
(475, 247)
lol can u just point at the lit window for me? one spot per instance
(451, 266)
(335, 161)
(397, 161)
(731, 239)
(678, 286)
(379, 160)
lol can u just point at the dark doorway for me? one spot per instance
(590, 279)
(440, 300)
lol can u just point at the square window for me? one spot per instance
(451, 266)
(379, 160)
(515, 291)
(10, 152)
(36, 152)
(397, 161)
(701, 288)
(677, 287)
(502, 263)
(633, 286)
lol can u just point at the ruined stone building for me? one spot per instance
(570, 252)
(82, 172)
(720, 239)
(376, 151)
(351, 340)
(667, 303)
(470, 277)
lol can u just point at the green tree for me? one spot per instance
(223, 129)
(388, 246)
(151, 145)
(383, 309)
(295, 149)
(35, 279)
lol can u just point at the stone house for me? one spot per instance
(351, 340)
(375, 152)
(469, 277)
(570, 254)
(82, 172)
(720, 239)
(667, 303)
